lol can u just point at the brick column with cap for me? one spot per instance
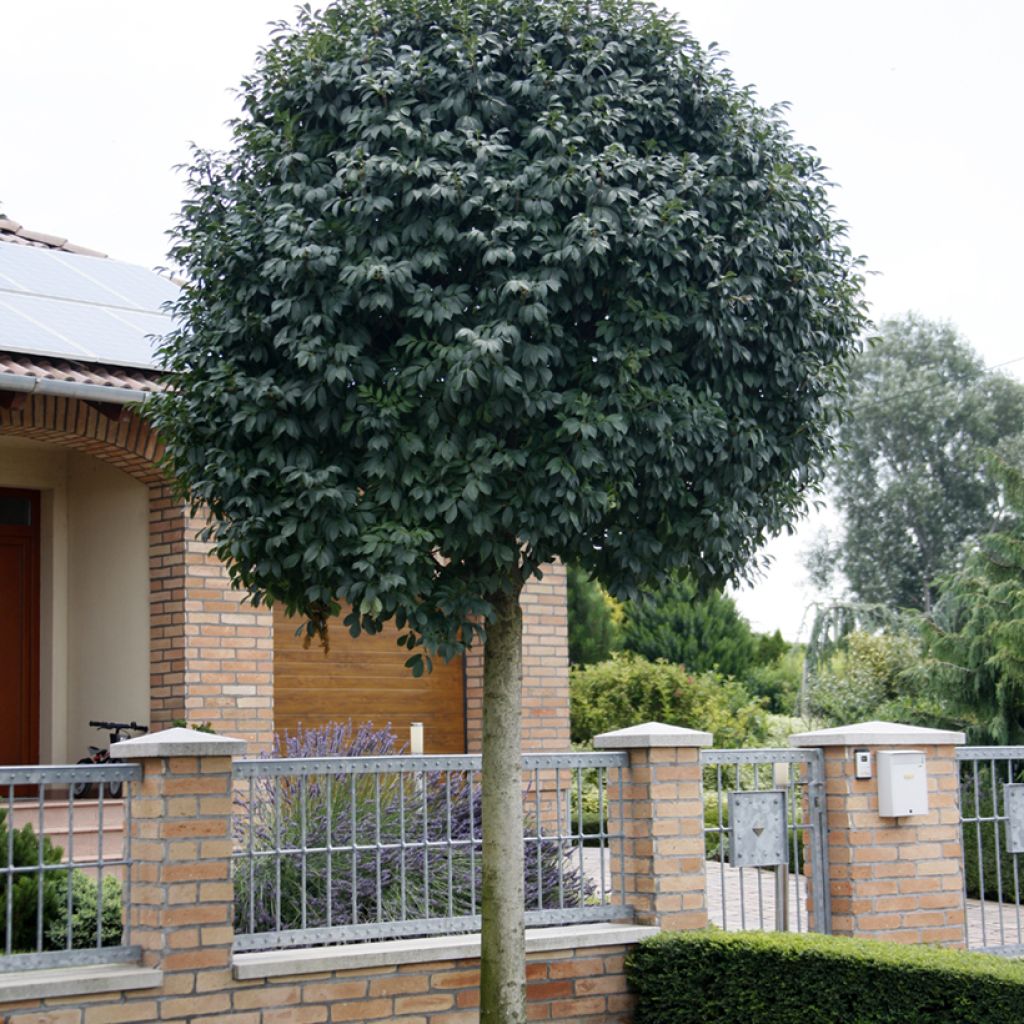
(663, 819)
(181, 909)
(894, 878)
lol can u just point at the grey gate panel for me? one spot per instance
(765, 839)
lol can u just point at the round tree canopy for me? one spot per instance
(482, 283)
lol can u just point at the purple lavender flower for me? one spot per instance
(342, 848)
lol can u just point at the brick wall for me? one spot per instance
(545, 668)
(588, 985)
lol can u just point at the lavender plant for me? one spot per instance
(341, 848)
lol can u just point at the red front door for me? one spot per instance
(19, 626)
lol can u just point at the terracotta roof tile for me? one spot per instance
(13, 233)
(42, 368)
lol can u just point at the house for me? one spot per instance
(110, 606)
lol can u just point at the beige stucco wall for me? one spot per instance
(94, 593)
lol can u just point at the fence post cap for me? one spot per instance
(178, 742)
(876, 734)
(652, 734)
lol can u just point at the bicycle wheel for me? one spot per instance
(80, 790)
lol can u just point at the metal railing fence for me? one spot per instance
(992, 833)
(343, 849)
(60, 902)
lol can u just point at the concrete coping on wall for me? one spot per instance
(285, 962)
(877, 734)
(178, 742)
(92, 979)
(652, 734)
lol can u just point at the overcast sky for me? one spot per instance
(914, 106)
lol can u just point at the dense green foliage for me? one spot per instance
(499, 281)
(911, 476)
(777, 682)
(84, 894)
(766, 978)
(976, 634)
(703, 632)
(629, 690)
(875, 676)
(594, 626)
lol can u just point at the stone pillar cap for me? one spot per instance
(178, 742)
(652, 734)
(876, 734)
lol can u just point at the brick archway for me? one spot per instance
(211, 657)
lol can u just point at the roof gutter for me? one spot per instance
(71, 389)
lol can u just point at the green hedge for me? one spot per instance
(714, 977)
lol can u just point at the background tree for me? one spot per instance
(629, 690)
(910, 476)
(482, 283)
(701, 632)
(976, 634)
(876, 676)
(595, 619)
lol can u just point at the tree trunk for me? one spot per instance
(502, 943)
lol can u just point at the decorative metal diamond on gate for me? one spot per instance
(758, 822)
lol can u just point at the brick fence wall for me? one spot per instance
(896, 879)
(586, 985)
(181, 912)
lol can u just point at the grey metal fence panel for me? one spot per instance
(990, 815)
(346, 849)
(755, 866)
(47, 890)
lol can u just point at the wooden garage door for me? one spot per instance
(366, 680)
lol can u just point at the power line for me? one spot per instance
(910, 392)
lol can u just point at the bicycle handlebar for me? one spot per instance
(117, 726)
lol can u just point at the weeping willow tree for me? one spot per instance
(975, 636)
(833, 624)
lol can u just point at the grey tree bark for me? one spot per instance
(502, 941)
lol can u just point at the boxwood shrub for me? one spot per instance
(714, 977)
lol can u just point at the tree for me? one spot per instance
(677, 623)
(484, 283)
(975, 636)
(629, 690)
(594, 619)
(910, 475)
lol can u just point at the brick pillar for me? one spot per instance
(545, 668)
(663, 819)
(899, 879)
(212, 655)
(182, 899)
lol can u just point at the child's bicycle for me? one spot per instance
(101, 755)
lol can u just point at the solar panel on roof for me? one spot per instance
(81, 307)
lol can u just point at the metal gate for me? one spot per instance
(765, 839)
(992, 831)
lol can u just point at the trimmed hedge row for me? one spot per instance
(713, 977)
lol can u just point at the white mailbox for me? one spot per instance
(902, 783)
